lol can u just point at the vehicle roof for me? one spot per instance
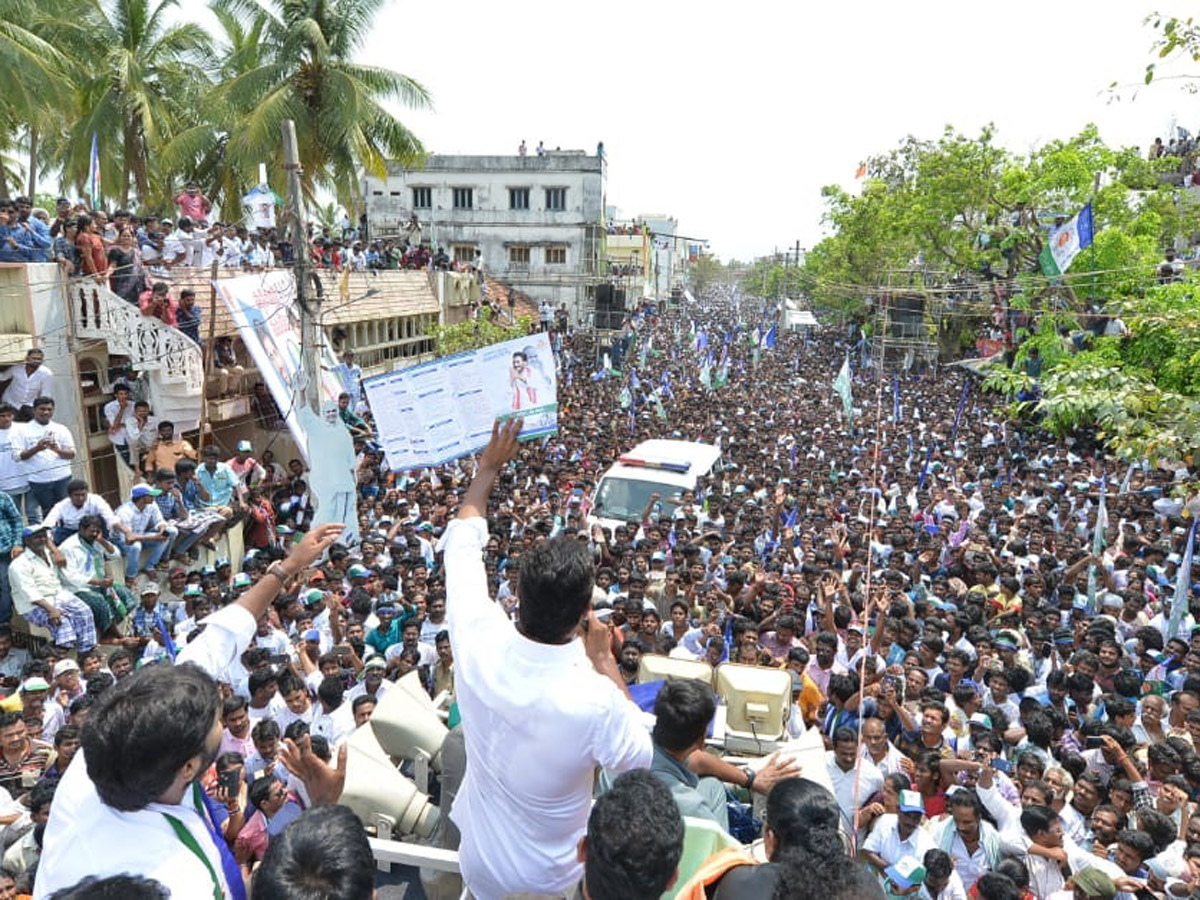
(701, 456)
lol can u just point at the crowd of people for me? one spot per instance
(990, 629)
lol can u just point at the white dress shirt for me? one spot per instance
(13, 479)
(67, 514)
(334, 726)
(870, 780)
(24, 388)
(884, 840)
(46, 465)
(541, 719)
(87, 837)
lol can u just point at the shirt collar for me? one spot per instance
(664, 761)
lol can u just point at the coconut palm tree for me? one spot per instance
(140, 81)
(202, 149)
(37, 92)
(337, 104)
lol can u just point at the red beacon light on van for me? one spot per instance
(681, 468)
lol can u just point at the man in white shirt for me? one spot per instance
(847, 767)
(333, 717)
(13, 480)
(144, 528)
(157, 732)
(27, 382)
(40, 597)
(900, 836)
(545, 708)
(117, 413)
(350, 375)
(45, 450)
(63, 520)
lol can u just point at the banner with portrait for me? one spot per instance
(442, 410)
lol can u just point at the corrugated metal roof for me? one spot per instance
(373, 295)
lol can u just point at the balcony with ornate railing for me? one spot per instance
(151, 344)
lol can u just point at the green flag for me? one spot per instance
(705, 378)
(841, 387)
(722, 376)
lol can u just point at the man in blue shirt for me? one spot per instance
(38, 232)
(11, 528)
(14, 243)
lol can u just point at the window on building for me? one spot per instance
(556, 198)
(556, 256)
(464, 253)
(464, 198)
(518, 256)
(376, 193)
(422, 198)
(518, 198)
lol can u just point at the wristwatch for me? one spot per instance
(749, 773)
(276, 568)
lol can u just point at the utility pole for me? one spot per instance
(308, 383)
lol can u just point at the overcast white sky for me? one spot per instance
(731, 117)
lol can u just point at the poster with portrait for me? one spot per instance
(263, 307)
(442, 410)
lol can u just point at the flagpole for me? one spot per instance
(1095, 187)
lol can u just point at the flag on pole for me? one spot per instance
(962, 403)
(1183, 585)
(768, 340)
(896, 399)
(1098, 541)
(705, 377)
(722, 378)
(634, 381)
(841, 387)
(1064, 242)
(94, 172)
(701, 341)
(925, 467)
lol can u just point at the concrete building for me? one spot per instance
(535, 222)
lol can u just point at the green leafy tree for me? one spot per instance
(310, 76)
(137, 76)
(471, 335)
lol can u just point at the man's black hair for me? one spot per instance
(682, 712)
(42, 794)
(634, 837)
(555, 589)
(330, 691)
(143, 731)
(1036, 819)
(259, 680)
(324, 853)
(115, 887)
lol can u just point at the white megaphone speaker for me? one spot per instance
(407, 725)
(379, 794)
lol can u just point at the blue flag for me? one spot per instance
(896, 398)
(634, 381)
(925, 467)
(168, 644)
(768, 340)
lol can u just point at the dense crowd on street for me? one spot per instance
(1008, 705)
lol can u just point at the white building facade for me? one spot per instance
(534, 222)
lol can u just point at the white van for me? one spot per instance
(658, 466)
